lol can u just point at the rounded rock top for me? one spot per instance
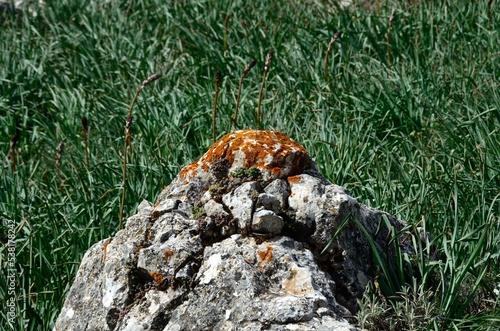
(275, 154)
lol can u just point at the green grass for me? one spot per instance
(418, 137)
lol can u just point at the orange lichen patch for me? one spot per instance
(104, 250)
(270, 151)
(158, 278)
(168, 254)
(294, 179)
(265, 256)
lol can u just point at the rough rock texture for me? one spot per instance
(234, 243)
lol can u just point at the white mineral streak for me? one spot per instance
(70, 313)
(109, 292)
(214, 262)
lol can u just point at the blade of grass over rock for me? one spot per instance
(335, 235)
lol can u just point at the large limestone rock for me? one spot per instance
(233, 243)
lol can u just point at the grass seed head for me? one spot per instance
(60, 150)
(336, 36)
(128, 124)
(269, 58)
(391, 19)
(85, 124)
(249, 67)
(217, 78)
(150, 79)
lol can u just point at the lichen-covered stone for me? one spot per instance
(240, 240)
(274, 153)
(279, 189)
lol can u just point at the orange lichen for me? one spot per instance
(270, 151)
(168, 254)
(294, 179)
(158, 278)
(104, 250)
(265, 256)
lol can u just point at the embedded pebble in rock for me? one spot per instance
(241, 203)
(235, 242)
(280, 189)
(213, 208)
(269, 201)
(165, 207)
(267, 222)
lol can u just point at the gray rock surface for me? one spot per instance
(233, 243)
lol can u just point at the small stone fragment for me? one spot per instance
(241, 204)
(164, 207)
(266, 221)
(280, 189)
(269, 201)
(213, 208)
(145, 207)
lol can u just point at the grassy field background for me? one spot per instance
(408, 123)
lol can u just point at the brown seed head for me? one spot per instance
(391, 19)
(269, 58)
(249, 67)
(336, 36)
(60, 149)
(128, 124)
(13, 139)
(150, 79)
(217, 78)
(85, 124)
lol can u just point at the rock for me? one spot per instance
(269, 201)
(267, 222)
(213, 209)
(164, 207)
(280, 190)
(241, 203)
(274, 283)
(18, 7)
(235, 242)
